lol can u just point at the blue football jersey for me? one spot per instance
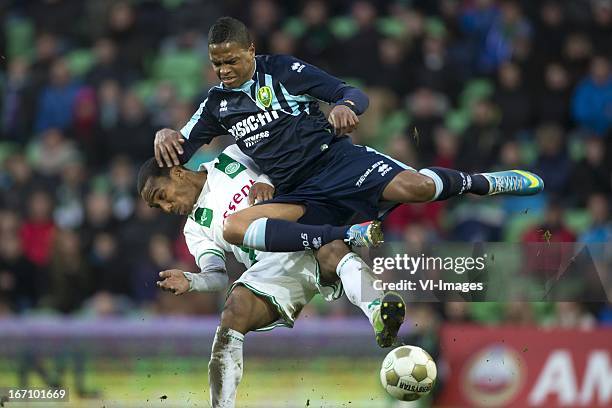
(274, 117)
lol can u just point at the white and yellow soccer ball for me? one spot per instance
(408, 373)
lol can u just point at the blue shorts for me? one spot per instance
(347, 187)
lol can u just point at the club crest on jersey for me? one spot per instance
(264, 96)
(232, 168)
(203, 216)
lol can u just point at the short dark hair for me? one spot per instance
(228, 29)
(149, 169)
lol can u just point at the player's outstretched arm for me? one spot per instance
(173, 280)
(179, 282)
(168, 147)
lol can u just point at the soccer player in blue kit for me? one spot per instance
(269, 104)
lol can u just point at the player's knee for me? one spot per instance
(416, 187)
(328, 257)
(233, 230)
(237, 310)
(425, 188)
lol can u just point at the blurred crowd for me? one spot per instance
(468, 84)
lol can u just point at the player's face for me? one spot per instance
(171, 194)
(232, 63)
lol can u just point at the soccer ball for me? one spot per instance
(408, 373)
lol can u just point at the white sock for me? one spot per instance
(358, 281)
(225, 367)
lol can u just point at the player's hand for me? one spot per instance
(343, 119)
(167, 147)
(173, 281)
(260, 192)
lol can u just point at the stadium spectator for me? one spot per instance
(107, 266)
(315, 38)
(540, 259)
(38, 229)
(98, 216)
(552, 163)
(592, 103)
(427, 108)
(482, 139)
(160, 257)
(57, 100)
(550, 30)
(20, 279)
(552, 103)
(572, 315)
(508, 35)
(17, 181)
(133, 131)
(17, 103)
(69, 195)
(593, 173)
(513, 100)
(70, 279)
(600, 230)
(107, 66)
(51, 153)
(121, 179)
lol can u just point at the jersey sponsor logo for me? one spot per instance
(238, 198)
(264, 96)
(203, 216)
(252, 140)
(223, 105)
(229, 166)
(252, 123)
(296, 66)
(383, 169)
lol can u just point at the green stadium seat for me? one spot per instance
(184, 69)
(343, 27)
(6, 149)
(145, 89)
(389, 127)
(578, 220)
(529, 152)
(475, 90)
(435, 27)
(576, 148)
(80, 61)
(517, 225)
(457, 120)
(20, 38)
(390, 27)
(294, 27)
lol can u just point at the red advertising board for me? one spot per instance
(526, 367)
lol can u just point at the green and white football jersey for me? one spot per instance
(230, 177)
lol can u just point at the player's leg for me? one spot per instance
(384, 311)
(272, 228)
(243, 312)
(438, 183)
